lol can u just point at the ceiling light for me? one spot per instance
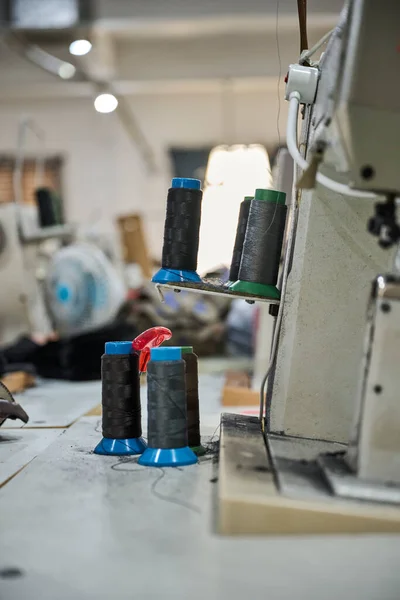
(66, 70)
(105, 103)
(80, 47)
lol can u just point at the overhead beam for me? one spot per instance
(76, 89)
(208, 26)
(99, 63)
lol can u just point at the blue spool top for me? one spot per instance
(186, 182)
(166, 353)
(118, 347)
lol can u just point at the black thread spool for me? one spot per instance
(166, 411)
(192, 400)
(122, 426)
(181, 232)
(239, 240)
(47, 209)
(259, 267)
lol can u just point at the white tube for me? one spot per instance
(291, 140)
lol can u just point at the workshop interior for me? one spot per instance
(199, 299)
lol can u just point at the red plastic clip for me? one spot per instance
(151, 338)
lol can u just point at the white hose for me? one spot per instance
(291, 140)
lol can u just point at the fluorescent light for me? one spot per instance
(233, 172)
(105, 103)
(66, 70)
(80, 47)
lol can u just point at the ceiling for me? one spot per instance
(148, 46)
(123, 14)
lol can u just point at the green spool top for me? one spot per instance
(186, 349)
(249, 197)
(270, 196)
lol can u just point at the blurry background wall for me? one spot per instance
(103, 175)
(171, 62)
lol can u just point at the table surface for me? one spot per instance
(81, 526)
(56, 403)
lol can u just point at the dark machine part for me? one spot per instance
(302, 12)
(47, 203)
(47, 14)
(9, 409)
(384, 223)
(3, 239)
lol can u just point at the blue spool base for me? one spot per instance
(124, 447)
(175, 276)
(165, 457)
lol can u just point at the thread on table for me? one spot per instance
(239, 239)
(166, 404)
(263, 242)
(181, 231)
(121, 396)
(192, 399)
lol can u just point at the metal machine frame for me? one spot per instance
(274, 482)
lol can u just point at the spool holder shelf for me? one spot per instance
(214, 287)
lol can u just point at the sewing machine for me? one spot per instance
(327, 458)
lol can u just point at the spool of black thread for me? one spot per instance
(48, 214)
(181, 232)
(192, 400)
(166, 411)
(259, 267)
(239, 240)
(122, 427)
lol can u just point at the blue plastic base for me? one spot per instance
(173, 276)
(175, 457)
(125, 447)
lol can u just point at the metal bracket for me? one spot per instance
(344, 483)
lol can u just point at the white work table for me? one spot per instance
(82, 526)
